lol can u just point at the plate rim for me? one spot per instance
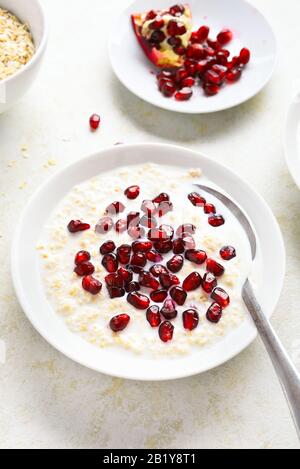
(291, 122)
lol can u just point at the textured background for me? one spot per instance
(45, 399)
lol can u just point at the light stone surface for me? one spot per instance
(46, 400)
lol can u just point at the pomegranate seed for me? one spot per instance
(147, 280)
(216, 220)
(154, 256)
(227, 253)
(221, 58)
(121, 226)
(234, 74)
(115, 292)
(148, 221)
(190, 319)
(176, 28)
(166, 330)
(178, 295)
(125, 274)
(157, 37)
(203, 33)
(82, 256)
(224, 36)
(141, 246)
(210, 89)
(107, 247)
(214, 267)
(184, 94)
(178, 246)
(119, 323)
(114, 208)
(76, 225)
(186, 228)
(163, 197)
(168, 280)
(124, 253)
(148, 207)
(244, 56)
(210, 51)
(157, 234)
(188, 81)
(163, 246)
(158, 269)
(168, 309)
(235, 62)
(151, 15)
(196, 51)
(175, 264)
(91, 284)
(214, 78)
(209, 282)
(209, 208)
(196, 255)
(132, 286)
(136, 232)
(174, 41)
(132, 192)
(202, 66)
(192, 281)
(215, 45)
(168, 89)
(139, 259)
(164, 207)
(104, 225)
(110, 262)
(138, 300)
(85, 268)
(114, 280)
(221, 297)
(189, 242)
(180, 75)
(214, 313)
(95, 120)
(153, 316)
(177, 10)
(194, 37)
(158, 23)
(196, 199)
(133, 219)
(158, 296)
(168, 230)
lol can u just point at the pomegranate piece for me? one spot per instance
(114, 280)
(158, 296)
(203, 33)
(192, 281)
(124, 253)
(119, 323)
(196, 199)
(210, 89)
(110, 262)
(91, 285)
(168, 280)
(175, 264)
(178, 295)
(142, 246)
(136, 232)
(82, 256)
(148, 207)
(132, 286)
(214, 267)
(115, 292)
(190, 319)
(95, 120)
(168, 309)
(166, 331)
(163, 246)
(224, 36)
(121, 226)
(139, 259)
(216, 220)
(177, 10)
(209, 282)
(221, 297)
(196, 255)
(114, 208)
(178, 246)
(153, 316)
(133, 219)
(209, 208)
(104, 225)
(125, 274)
(227, 253)
(138, 300)
(154, 256)
(164, 207)
(184, 94)
(158, 269)
(163, 197)
(186, 228)
(107, 247)
(76, 225)
(168, 229)
(147, 280)
(132, 192)
(148, 221)
(84, 268)
(244, 56)
(234, 74)
(214, 313)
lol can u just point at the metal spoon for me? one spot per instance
(285, 369)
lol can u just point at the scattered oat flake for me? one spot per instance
(23, 185)
(50, 163)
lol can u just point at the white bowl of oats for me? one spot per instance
(23, 38)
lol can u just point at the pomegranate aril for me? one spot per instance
(132, 192)
(176, 28)
(133, 219)
(121, 226)
(125, 274)
(154, 256)
(163, 246)
(196, 199)
(216, 220)
(221, 58)
(139, 259)
(82, 256)
(119, 323)
(138, 300)
(180, 75)
(221, 297)
(151, 15)
(178, 295)
(213, 77)
(209, 208)
(188, 81)
(158, 23)
(164, 207)
(234, 74)
(196, 255)
(114, 208)
(210, 89)
(203, 33)
(184, 94)
(158, 269)
(244, 56)
(202, 66)
(168, 309)
(177, 10)
(166, 331)
(189, 242)
(104, 225)
(178, 246)
(91, 284)
(134, 268)
(194, 37)
(196, 51)
(157, 37)
(163, 197)
(148, 221)
(168, 89)
(148, 207)
(132, 287)
(168, 280)
(224, 36)
(192, 281)
(209, 282)
(124, 253)
(174, 41)
(157, 234)
(110, 262)
(214, 267)
(175, 264)
(168, 229)
(158, 296)
(153, 316)
(142, 246)
(147, 280)
(76, 225)
(227, 253)
(114, 280)
(115, 292)
(84, 268)
(186, 228)
(107, 247)
(136, 232)
(214, 313)
(95, 120)
(190, 319)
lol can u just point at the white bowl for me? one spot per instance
(27, 278)
(15, 86)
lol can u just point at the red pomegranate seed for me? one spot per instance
(136, 232)
(186, 228)
(124, 253)
(142, 246)
(165, 74)
(216, 220)
(158, 23)
(138, 300)
(157, 37)
(153, 316)
(158, 296)
(196, 51)
(209, 282)
(132, 192)
(148, 221)
(221, 297)
(194, 37)
(147, 280)
(202, 66)
(177, 10)
(233, 75)
(224, 36)
(85, 268)
(176, 28)
(82, 256)
(132, 286)
(180, 75)
(184, 94)
(133, 219)
(138, 259)
(168, 280)
(110, 262)
(114, 280)
(190, 319)
(151, 15)
(178, 295)
(221, 58)
(115, 292)
(178, 246)
(196, 255)
(119, 323)
(214, 267)
(125, 274)
(163, 246)
(214, 313)
(91, 284)
(175, 264)
(157, 234)
(154, 256)
(76, 225)
(166, 330)
(196, 199)
(192, 281)
(210, 89)
(189, 242)
(215, 77)
(164, 207)
(168, 230)
(114, 208)
(104, 225)
(188, 81)
(215, 45)
(244, 56)
(167, 88)
(168, 309)
(227, 253)
(158, 269)
(209, 208)
(203, 33)
(107, 247)
(163, 197)
(148, 207)
(121, 226)
(95, 120)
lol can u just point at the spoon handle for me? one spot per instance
(285, 369)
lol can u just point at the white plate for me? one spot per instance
(291, 139)
(29, 287)
(250, 30)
